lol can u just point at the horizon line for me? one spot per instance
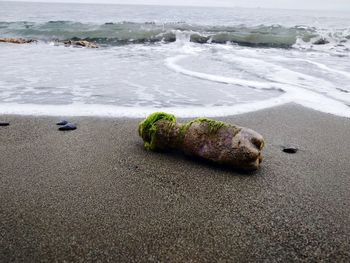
(172, 5)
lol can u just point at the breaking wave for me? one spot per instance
(136, 33)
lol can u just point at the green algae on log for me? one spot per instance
(209, 139)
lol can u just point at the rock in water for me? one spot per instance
(196, 38)
(321, 41)
(63, 122)
(212, 140)
(16, 40)
(4, 123)
(68, 127)
(80, 43)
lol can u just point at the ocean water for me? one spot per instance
(185, 60)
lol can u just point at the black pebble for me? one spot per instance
(67, 127)
(63, 122)
(4, 123)
(290, 149)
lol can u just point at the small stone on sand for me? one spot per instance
(67, 127)
(63, 122)
(4, 123)
(290, 149)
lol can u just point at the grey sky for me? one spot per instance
(287, 4)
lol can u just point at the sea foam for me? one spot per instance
(176, 60)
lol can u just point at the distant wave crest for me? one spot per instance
(137, 33)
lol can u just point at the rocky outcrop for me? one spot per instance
(17, 40)
(76, 43)
(196, 38)
(80, 43)
(321, 41)
(208, 139)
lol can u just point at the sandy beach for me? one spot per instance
(96, 195)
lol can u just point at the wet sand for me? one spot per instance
(95, 194)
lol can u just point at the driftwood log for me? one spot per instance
(208, 139)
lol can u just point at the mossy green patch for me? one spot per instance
(148, 128)
(214, 126)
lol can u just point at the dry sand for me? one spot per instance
(95, 194)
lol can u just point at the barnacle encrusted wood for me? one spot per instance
(205, 138)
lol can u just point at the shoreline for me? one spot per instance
(133, 113)
(115, 112)
(96, 194)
